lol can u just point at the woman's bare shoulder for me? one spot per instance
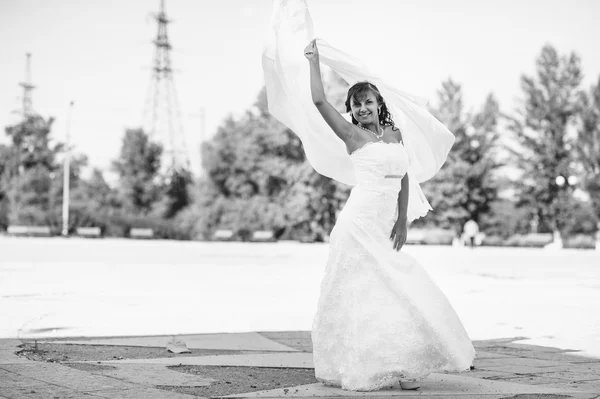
(397, 133)
(357, 139)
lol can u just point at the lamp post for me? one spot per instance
(561, 181)
(535, 222)
(66, 175)
(202, 115)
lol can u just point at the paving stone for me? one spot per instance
(512, 369)
(65, 376)
(564, 367)
(516, 361)
(481, 355)
(10, 344)
(509, 351)
(309, 390)
(520, 361)
(586, 367)
(489, 374)
(502, 368)
(483, 363)
(556, 356)
(94, 383)
(536, 348)
(231, 341)
(578, 387)
(586, 360)
(10, 379)
(573, 376)
(143, 393)
(46, 392)
(8, 355)
(593, 386)
(300, 340)
(407, 395)
(287, 360)
(541, 380)
(152, 375)
(25, 368)
(496, 341)
(12, 360)
(582, 386)
(436, 385)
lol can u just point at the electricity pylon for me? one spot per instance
(162, 115)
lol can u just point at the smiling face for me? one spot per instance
(365, 104)
(364, 107)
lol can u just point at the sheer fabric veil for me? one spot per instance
(287, 79)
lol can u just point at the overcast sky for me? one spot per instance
(98, 53)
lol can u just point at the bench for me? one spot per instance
(92, 232)
(29, 231)
(137, 232)
(223, 235)
(263, 236)
(415, 237)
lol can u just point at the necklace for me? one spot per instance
(378, 135)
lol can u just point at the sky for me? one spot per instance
(98, 53)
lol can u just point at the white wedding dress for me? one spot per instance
(380, 317)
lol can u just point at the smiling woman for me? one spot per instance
(380, 318)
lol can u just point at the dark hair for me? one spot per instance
(385, 118)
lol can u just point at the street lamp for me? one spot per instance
(560, 182)
(570, 181)
(66, 175)
(534, 223)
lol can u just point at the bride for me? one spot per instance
(380, 318)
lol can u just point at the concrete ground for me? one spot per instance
(53, 288)
(76, 287)
(503, 369)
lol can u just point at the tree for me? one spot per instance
(5, 165)
(466, 186)
(252, 164)
(541, 129)
(177, 191)
(588, 144)
(28, 169)
(258, 178)
(138, 167)
(96, 194)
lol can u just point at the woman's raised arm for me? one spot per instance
(340, 126)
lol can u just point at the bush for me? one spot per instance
(533, 240)
(493, 241)
(119, 225)
(434, 236)
(580, 241)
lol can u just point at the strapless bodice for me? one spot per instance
(376, 160)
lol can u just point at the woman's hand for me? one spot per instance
(398, 236)
(311, 52)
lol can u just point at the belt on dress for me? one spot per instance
(393, 176)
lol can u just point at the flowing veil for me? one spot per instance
(287, 79)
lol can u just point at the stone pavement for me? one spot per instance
(503, 369)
